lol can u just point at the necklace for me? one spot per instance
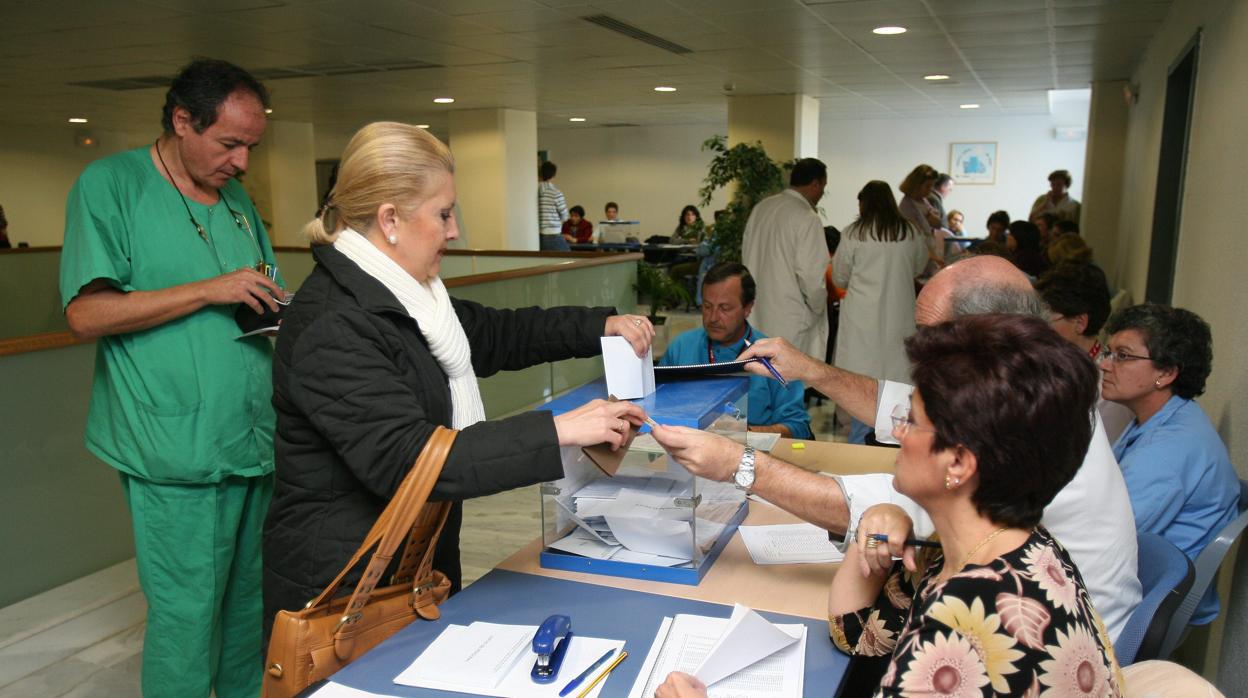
(710, 352)
(977, 547)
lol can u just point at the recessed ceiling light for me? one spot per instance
(665, 88)
(444, 100)
(77, 120)
(577, 118)
(968, 106)
(422, 125)
(888, 30)
(936, 76)
(268, 111)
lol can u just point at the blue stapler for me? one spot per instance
(550, 644)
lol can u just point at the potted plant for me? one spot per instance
(660, 290)
(755, 177)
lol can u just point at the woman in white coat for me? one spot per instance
(880, 256)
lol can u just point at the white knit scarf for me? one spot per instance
(430, 306)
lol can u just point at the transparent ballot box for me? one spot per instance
(653, 519)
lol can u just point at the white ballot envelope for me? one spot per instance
(628, 376)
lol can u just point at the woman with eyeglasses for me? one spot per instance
(1179, 476)
(374, 355)
(995, 606)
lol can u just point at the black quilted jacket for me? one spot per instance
(357, 393)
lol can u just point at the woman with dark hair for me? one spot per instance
(998, 608)
(998, 223)
(1024, 243)
(689, 229)
(1178, 473)
(880, 255)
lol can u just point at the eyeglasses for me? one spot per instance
(903, 421)
(1120, 356)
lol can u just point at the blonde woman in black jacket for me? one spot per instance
(374, 354)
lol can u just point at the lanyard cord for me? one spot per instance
(710, 353)
(240, 220)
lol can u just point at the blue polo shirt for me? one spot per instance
(1181, 482)
(770, 402)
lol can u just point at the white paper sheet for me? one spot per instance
(476, 656)
(683, 642)
(633, 479)
(581, 543)
(748, 639)
(644, 505)
(655, 536)
(789, 543)
(516, 681)
(628, 376)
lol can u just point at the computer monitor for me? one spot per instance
(618, 231)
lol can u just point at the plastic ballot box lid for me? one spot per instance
(694, 403)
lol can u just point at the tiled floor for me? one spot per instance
(85, 639)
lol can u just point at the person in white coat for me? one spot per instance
(880, 256)
(783, 246)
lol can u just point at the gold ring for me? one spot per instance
(637, 321)
(872, 543)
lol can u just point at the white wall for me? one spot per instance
(38, 166)
(652, 172)
(857, 151)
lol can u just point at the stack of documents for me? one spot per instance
(634, 518)
(489, 659)
(789, 543)
(744, 655)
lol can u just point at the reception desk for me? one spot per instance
(67, 516)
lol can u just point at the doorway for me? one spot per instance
(1171, 173)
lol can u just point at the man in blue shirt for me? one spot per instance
(727, 299)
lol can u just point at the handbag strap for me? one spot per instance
(394, 523)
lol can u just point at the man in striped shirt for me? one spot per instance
(552, 210)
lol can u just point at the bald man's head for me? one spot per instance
(975, 286)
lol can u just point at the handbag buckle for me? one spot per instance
(347, 619)
(419, 590)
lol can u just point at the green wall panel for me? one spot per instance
(64, 512)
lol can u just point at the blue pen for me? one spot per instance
(585, 674)
(769, 367)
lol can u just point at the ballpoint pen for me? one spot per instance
(603, 675)
(883, 538)
(769, 367)
(585, 674)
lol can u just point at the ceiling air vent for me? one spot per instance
(279, 73)
(615, 25)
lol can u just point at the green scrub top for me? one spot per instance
(185, 402)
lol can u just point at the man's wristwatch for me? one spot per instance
(744, 479)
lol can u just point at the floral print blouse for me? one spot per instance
(1021, 625)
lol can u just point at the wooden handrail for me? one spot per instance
(578, 260)
(39, 342)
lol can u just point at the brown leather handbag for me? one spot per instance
(329, 633)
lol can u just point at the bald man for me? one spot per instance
(1091, 516)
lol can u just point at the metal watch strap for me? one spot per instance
(744, 477)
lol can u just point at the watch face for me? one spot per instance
(744, 478)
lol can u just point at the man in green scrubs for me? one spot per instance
(161, 246)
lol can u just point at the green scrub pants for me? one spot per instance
(198, 551)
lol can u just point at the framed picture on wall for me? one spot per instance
(973, 163)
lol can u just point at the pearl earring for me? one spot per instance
(392, 239)
(1157, 384)
(951, 482)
